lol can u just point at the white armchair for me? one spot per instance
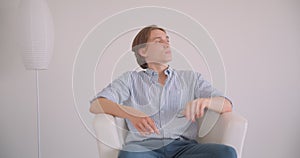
(230, 129)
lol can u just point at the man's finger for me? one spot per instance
(193, 110)
(187, 111)
(147, 124)
(198, 108)
(203, 105)
(142, 128)
(152, 125)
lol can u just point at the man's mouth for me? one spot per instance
(168, 51)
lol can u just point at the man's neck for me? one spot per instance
(159, 68)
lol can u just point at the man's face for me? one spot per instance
(157, 49)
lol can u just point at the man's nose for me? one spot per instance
(166, 42)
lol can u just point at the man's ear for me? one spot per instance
(143, 52)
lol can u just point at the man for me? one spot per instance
(161, 105)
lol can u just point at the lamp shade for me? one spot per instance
(36, 34)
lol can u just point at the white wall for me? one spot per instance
(258, 40)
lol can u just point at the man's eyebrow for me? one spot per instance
(154, 38)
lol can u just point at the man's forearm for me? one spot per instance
(103, 105)
(220, 105)
(143, 123)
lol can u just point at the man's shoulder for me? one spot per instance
(130, 75)
(127, 74)
(187, 73)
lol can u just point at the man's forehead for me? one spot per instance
(157, 33)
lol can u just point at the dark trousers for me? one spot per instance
(179, 148)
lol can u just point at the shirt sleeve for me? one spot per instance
(204, 89)
(118, 91)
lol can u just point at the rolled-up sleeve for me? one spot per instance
(204, 89)
(118, 91)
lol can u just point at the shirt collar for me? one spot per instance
(151, 72)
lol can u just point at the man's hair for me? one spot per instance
(140, 41)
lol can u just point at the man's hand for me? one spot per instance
(145, 125)
(195, 109)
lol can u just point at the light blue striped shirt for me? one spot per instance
(142, 91)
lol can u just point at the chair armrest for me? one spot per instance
(230, 129)
(107, 135)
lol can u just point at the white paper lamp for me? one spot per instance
(36, 34)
